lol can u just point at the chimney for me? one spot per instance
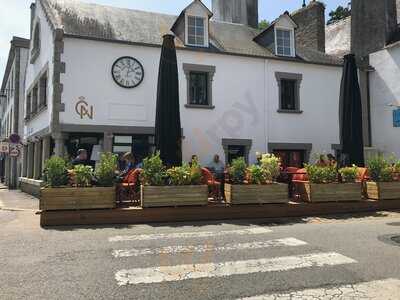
(236, 11)
(372, 25)
(311, 26)
(33, 12)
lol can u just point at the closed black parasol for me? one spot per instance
(351, 127)
(168, 134)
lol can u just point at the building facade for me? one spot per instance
(372, 34)
(91, 82)
(12, 107)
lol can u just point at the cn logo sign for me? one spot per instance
(396, 118)
(83, 109)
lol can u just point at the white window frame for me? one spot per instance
(205, 37)
(292, 41)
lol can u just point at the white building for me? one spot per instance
(12, 106)
(372, 33)
(241, 90)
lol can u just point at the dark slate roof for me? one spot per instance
(134, 26)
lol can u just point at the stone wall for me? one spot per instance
(311, 26)
(236, 11)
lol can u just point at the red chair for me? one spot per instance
(127, 190)
(214, 186)
(298, 183)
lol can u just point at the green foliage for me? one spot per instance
(83, 175)
(349, 174)
(257, 175)
(105, 172)
(380, 169)
(185, 175)
(264, 24)
(180, 175)
(237, 171)
(56, 172)
(318, 174)
(339, 14)
(154, 172)
(271, 165)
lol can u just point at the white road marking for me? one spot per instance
(181, 235)
(210, 270)
(388, 289)
(288, 242)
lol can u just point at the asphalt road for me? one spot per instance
(319, 259)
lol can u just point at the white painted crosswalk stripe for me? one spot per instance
(388, 289)
(210, 270)
(288, 242)
(181, 235)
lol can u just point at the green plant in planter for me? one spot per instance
(271, 165)
(237, 171)
(195, 173)
(83, 175)
(257, 175)
(319, 174)
(154, 172)
(179, 175)
(105, 172)
(349, 174)
(380, 169)
(55, 172)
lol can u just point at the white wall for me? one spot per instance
(319, 101)
(385, 90)
(45, 57)
(245, 91)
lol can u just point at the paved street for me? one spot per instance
(338, 257)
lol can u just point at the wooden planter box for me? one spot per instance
(330, 192)
(383, 190)
(256, 194)
(77, 198)
(164, 196)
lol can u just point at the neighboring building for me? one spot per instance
(373, 34)
(12, 106)
(92, 79)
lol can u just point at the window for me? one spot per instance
(198, 88)
(36, 43)
(199, 85)
(235, 148)
(289, 92)
(43, 91)
(195, 31)
(284, 42)
(288, 97)
(34, 105)
(28, 106)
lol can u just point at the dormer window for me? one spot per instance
(284, 42)
(196, 31)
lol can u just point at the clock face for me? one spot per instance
(127, 72)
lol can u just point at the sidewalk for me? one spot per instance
(16, 200)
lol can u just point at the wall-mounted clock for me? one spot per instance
(127, 72)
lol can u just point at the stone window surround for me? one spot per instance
(36, 82)
(306, 147)
(35, 43)
(237, 142)
(290, 76)
(210, 70)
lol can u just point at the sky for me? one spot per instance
(15, 14)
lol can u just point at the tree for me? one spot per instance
(263, 24)
(339, 14)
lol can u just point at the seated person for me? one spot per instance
(194, 159)
(129, 160)
(81, 159)
(217, 167)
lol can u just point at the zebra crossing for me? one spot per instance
(184, 243)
